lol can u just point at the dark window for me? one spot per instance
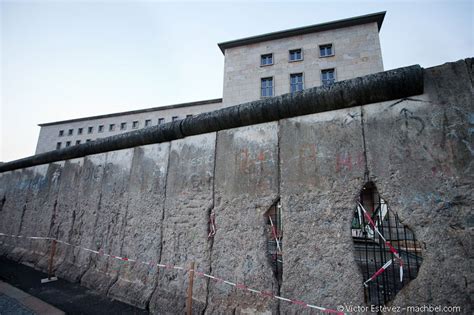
(148, 123)
(296, 55)
(69, 132)
(68, 144)
(327, 76)
(58, 145)
(88, 140)
(266, 60)
(325, 50)
(79, 131)
(78, 142)
(161, 121)
(123, 126)
(101, 128)
(267, 87)
(296, 82)
(135, 124)
(111, 127)
(189, 116)
(61, 133)
(90, 129)
(175, 118)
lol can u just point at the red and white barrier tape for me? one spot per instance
(275, 234)
(198, 273)
(378, 272)
(389, 245)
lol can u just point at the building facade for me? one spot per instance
(63, 134)
(255, 67)
(292, 60)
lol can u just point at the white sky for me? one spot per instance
(69, 59)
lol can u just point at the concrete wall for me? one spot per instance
(49, 134)
(357, 52)
(153, 203)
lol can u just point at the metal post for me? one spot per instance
(50, 264)
(189, 304)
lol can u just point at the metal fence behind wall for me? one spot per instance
(372, 253)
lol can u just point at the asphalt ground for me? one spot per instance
(68, 297)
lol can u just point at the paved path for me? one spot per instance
(13, 301)
(66, 296)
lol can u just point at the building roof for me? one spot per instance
(146, 110)
(357, 20)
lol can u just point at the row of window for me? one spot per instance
(325, 50)
(68, 143)
(112, 127)
(296, 82)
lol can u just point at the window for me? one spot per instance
(68, 144)
(78, 142)
(175, 118)
(328, 76)
(69, 132)
(61, 133)
(296, 55)
(267, 87)
(135, 124)
(123, 126)
(161, 121)
(296, 82)
(88, 140)
(148, 123)
(325, 50)
(58, 145)
(79, 131)
(111, 127)
(90, 129)
(266, 60)
(101, 128)
(189, 116)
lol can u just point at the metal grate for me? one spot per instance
(372, 253)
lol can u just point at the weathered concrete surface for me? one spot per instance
(36, 211)
(322, 170)
(189, 200)
(246, 187)
(102, 271)
(86, 189)
(141, 231)
(421, 155)
(133, 203)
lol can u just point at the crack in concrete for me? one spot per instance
(366, 170)
(2, 202)
(209, 211)
(124, 221)
(155, 287)
(280, 284)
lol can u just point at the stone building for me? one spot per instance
(62, 134)
(255, 67)
(292, 60)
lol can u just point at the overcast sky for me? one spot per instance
(70, 59)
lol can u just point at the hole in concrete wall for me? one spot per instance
(386, 251)
(274, 234)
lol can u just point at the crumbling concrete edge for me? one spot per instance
(373, 88)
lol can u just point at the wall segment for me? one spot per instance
(152, 202)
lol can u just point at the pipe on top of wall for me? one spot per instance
(379, 87)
